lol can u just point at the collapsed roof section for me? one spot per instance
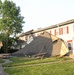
(44, 45)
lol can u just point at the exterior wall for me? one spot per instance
(65, 32)
(38, 33)
(62, 32)
(23, 38)
(67, 35)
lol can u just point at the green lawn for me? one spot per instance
(27, 61)
(63, 68)
(60, 68)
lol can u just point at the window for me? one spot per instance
(60, 31)
(67, 28)
(55, 32)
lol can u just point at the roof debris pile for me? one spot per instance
(43, 45)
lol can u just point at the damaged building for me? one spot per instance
(54, 40)
(45, 45)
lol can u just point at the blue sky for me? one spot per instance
(43, 13)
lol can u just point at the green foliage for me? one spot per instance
(0, 6)
(2, 37)
(10, 21)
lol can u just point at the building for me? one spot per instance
(64, 30)
(1, 44)
(44, 45)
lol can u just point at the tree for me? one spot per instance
(11, 20)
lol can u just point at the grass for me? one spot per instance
(1, 60)
(63, 68)
(27, 61)
(60, 68)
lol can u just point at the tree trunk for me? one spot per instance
(6, 51)
(5, 45)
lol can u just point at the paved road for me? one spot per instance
(2, 72)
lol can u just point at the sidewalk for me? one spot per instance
(2, 72)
